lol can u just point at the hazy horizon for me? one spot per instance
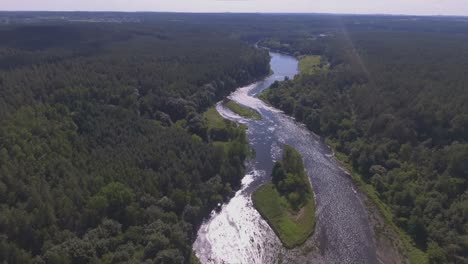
(395, 7)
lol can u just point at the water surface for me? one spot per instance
(238, 234)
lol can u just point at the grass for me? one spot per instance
(414, 254)
(293, 229)
(263, 95)
(214, 119)
(243, 111)
(311, 64)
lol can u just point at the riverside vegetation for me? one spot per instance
(287, 202)
(109, 150)
(394, 104)
(242, 110)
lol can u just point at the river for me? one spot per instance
(237, 233)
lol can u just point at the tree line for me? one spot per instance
(105, 154)
(394, 101)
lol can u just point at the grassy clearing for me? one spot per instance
(414, 254)
(287, 202)
(226, 134)
(214, 119)
(243, 111)
(292, 228)
(264, 95)
(311, 64)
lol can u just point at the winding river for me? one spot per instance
(237, 233)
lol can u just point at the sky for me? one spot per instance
(409, 7)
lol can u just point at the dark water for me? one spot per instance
(238, 234)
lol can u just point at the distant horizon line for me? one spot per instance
(228, 12)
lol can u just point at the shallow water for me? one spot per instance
(238, 234)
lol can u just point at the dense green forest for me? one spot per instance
(105, 153)
(108, 153)
(394, 101)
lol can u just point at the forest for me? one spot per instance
(394, 102)
(106, 153)
(110, 151)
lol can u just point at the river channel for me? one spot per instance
(237, 233)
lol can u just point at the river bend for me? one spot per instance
(237, 233)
